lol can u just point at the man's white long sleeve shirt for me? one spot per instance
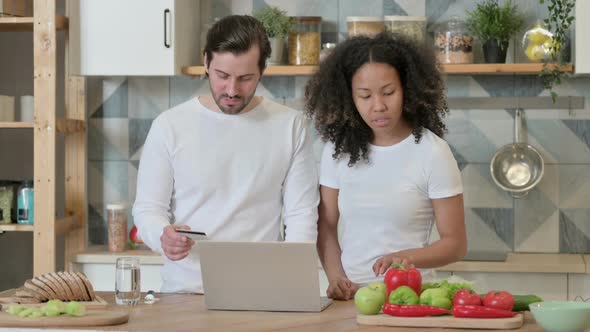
(235, 177)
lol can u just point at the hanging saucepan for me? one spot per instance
(518, 167)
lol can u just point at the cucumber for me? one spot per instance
(521, 302)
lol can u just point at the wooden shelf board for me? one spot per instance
(16, 228)
(270, 71)
(16, 125)
(499, 68)
(465, 69)
(26, 23)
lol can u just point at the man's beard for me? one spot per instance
(233, 109)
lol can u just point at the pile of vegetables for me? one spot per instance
(403, 294)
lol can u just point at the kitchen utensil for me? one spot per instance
(517, 167)
(443, 322)
(562, 316)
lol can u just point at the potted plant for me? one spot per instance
(277, 25)
(494, 25)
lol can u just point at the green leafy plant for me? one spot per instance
(490, 21)
(275, 21)
(558, 21)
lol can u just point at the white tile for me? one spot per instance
(549, 286)
(480, 191)
(544, 239)
(148, 96)
(480, 236)
(579, 287)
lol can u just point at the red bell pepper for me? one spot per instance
(417, 310)
(397, 276)
(477, 311)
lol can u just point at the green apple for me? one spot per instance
(368, 301)
(380, 286)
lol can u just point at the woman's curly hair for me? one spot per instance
(329, 100)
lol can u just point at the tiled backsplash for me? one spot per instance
(553, 217)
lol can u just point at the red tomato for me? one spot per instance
(499, 300)
(466, 297)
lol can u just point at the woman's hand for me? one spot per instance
(385, 262)
(342, 289)
(175, 245)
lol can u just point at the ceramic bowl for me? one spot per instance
(562, 316)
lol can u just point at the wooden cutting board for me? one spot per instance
(443, 321)
(93, 317)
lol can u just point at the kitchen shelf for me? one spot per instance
(454, 69)
(16, 125)
(270, 70)
(26, 23)
(16, 228)
(501, 68)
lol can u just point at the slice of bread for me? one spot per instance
(84, 292)
(64, 285)
(67, 285)
(25, 292)
(19, 300)
(76, 290)
(42, 294)
(88, 286)
(60, 290)
(51, 286)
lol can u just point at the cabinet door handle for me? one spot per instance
(167, 28)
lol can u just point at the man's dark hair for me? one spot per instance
(329, 91)
(237, 34)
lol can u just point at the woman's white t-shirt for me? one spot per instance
(385, 205)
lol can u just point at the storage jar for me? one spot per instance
(364, 25)
(117, 226)
(305, 41)
(414, 27)
(453, 43)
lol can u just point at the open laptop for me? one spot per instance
(261, 276)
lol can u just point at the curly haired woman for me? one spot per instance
(387, 176)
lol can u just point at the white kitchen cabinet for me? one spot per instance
(581, 41)
(549, 286)
(133, 37)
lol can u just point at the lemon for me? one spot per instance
(538, 35)
(535, 52)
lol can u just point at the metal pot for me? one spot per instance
(517, 167)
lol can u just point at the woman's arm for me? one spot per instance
(329, 247)
(452, 246)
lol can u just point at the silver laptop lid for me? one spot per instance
(263, 276)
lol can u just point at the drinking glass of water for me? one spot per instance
(127, 281)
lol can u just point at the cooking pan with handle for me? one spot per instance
(517, 167)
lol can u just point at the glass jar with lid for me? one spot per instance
(305, 40)
(413, 27)
(453, 43)
(364, 25)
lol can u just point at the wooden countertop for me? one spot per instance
(521, 262)
(515, 262)
(183, 312)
